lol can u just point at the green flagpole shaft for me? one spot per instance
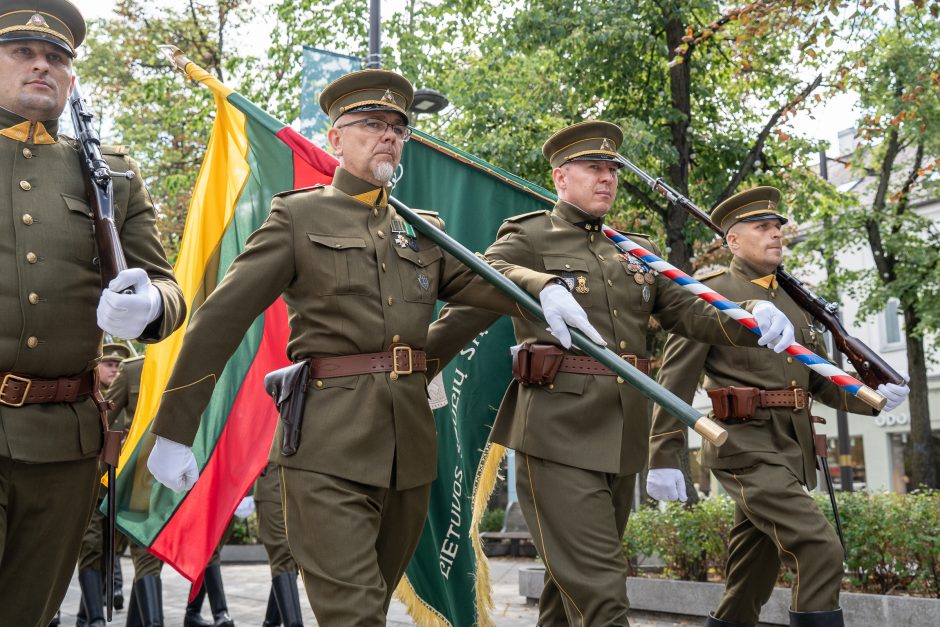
(710, 430)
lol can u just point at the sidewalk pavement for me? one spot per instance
(247, 587)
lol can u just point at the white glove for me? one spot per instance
(776, 330)
(561, 309)
(173, 464)
(894, 393)
(127, 315)
(666, 484)
(246, 508)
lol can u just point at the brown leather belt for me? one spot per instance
(589, 365)
(17, 390)
(742, 402)
(401, 360)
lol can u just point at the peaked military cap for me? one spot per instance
(757, 203)
(585, 141)
(114, 352)
(57, 22)
(367, 90)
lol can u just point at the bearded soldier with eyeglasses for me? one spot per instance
(360, 286)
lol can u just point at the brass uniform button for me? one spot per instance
(619, 379)
(551, 386)
(33, 298)
(601, 257)
(319, 384)
(25, 186)
(623, 344)
(375, 211)
(27, 219)
(383, 266)
(610, 283)
(789, 360)
(27, 153)
(391, 301)
(616, 313)
(567, 266)
(381, 234)
(32, 341)
(396, 338)
(32, 257)
(793, 383)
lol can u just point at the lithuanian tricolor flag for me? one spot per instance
(250, 157)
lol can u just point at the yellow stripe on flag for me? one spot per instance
(221, 179)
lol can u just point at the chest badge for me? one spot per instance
(424, 281)
(568, 278)
(404, 234)
(646, 293)
(582, 287)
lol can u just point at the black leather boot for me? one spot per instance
(832, 618)
(711, 621)
(133, 611)
(56, 619)
(193, 616)
(216, 593)
(90, 582)
(288, 600)
(149, 593)
(272, 617)
(118, 584)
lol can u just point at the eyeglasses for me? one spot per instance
(375, 126)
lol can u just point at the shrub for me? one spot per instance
(492, 519)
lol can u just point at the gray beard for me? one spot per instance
(383, 172)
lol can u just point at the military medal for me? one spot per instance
(633, 267)
(404, 234)
(649, 278)
(638, 277)
(646, 293)
(582, 287)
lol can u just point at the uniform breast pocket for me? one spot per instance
(81, 228)
(341, 263)
(575, 273)
(420, 274)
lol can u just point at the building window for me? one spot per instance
(892, 324)
(857, 455)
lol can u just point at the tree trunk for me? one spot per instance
(677, 249)
(923, 459)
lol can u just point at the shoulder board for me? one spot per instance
(711, 275)
(526, 216)
(118, 151)
(431, 216)
(298, 190)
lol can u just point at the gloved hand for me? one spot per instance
(894, 393)
(776, 330)
(173, 464)
(127, 315)
(246, 508)
(561, 309)
(666, 484)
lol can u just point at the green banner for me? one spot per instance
(474, 198)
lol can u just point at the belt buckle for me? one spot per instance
(396, 372)
(798, 402)
(630, 359)
(8, 377)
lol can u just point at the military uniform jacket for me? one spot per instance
(776, 435)
(51, 283)
(352, 285)
(124, 392)
(591, 422)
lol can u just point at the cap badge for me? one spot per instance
(607, 145)
(38, 20)
(771, 204)
(387, 96)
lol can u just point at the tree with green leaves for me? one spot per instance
(895, 72)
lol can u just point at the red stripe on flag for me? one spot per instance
(312, 165)
(239, 456)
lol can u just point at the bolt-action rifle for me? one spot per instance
(871, 368)
(99, 188)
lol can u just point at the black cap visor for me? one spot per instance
(29, 35)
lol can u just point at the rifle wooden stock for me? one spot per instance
(99, 188)
(871, 368)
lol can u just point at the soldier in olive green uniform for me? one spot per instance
(145, 608)
(52, 309)
(91, 555)
(360, 287)
(284, 602)
(769, 455)
(580, 439)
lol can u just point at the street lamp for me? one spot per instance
(428, 101)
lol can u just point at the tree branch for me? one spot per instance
(758, 146)
(644, 198)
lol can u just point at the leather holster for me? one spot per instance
(734, 402)
(287, 386)
(536, 364)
